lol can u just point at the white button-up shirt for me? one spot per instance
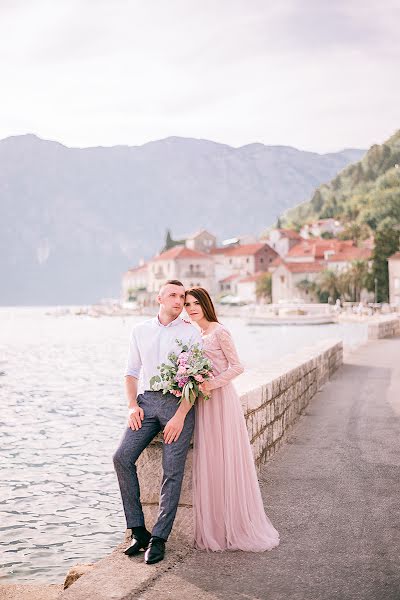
(150, 344)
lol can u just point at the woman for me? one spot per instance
(228, 508)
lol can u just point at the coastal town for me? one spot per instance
(282, 266)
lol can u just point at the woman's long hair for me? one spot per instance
(207, 306)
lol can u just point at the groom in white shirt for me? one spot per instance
(150, 412)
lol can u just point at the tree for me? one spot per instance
(356, 232)
(317, 201)
(357, 278)
(307, 286)
(169, 242)
(386, 244)
(327, 283)
(264, 287)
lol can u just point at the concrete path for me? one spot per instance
(333, 492)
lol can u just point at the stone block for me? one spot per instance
(183, 528)
(75, 572)
(277, 429)
(149, 468)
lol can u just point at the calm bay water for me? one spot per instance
(62, 412)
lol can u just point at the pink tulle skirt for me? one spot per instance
(228, 507)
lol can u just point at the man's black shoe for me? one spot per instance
(155, 551)
(139, 541)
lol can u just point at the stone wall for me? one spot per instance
(383, 326)
(273, 398)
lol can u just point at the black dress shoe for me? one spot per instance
(156, 550)
(139, 542)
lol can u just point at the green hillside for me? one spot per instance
(365, 194)
(365, 197)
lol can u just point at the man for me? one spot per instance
(150, 412)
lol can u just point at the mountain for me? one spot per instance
(365, 196)
(74, 219)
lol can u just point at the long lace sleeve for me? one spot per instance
(235, 367)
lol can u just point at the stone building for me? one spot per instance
(191, 267)
(316, 229)
(293, 276)
(202, 241)
(135, 283)
(283, 240)
(288, 277)
(240, 261)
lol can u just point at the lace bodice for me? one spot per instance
(220, 349)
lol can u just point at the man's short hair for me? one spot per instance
(172, 282)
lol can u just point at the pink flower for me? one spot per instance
(199, 378)
(182, 370)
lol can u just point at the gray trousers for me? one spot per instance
(158, 410)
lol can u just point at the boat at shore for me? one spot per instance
(292, 320)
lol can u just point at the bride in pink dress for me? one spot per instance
(227, 503)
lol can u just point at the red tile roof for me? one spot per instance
(349, 254)
(291, 234)
(316, 247)
(220, 250)
(180, 252)
(229, 278)
(304, 267)
(254, 277)
(136, 269)
(276, 262)
(243, 250)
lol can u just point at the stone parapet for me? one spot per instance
(273, 398)
(383, 327)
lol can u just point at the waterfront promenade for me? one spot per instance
(332, 491)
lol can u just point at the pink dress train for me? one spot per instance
(228, 507)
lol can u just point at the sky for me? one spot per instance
(319, 75)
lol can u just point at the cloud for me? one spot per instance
(307, 73)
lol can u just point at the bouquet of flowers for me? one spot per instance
(184, 373)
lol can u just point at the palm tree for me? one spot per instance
(358, 278)
(328, 282)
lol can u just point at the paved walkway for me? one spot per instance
(333, 491)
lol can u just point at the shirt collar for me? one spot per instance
(173, 323)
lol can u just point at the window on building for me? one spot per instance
(282, 278)
(247, 260)
(261, 260)
(230, 261)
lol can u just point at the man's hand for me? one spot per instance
(135, 418)
(173, 428)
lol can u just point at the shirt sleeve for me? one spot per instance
(235, 367)
(134, 362)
